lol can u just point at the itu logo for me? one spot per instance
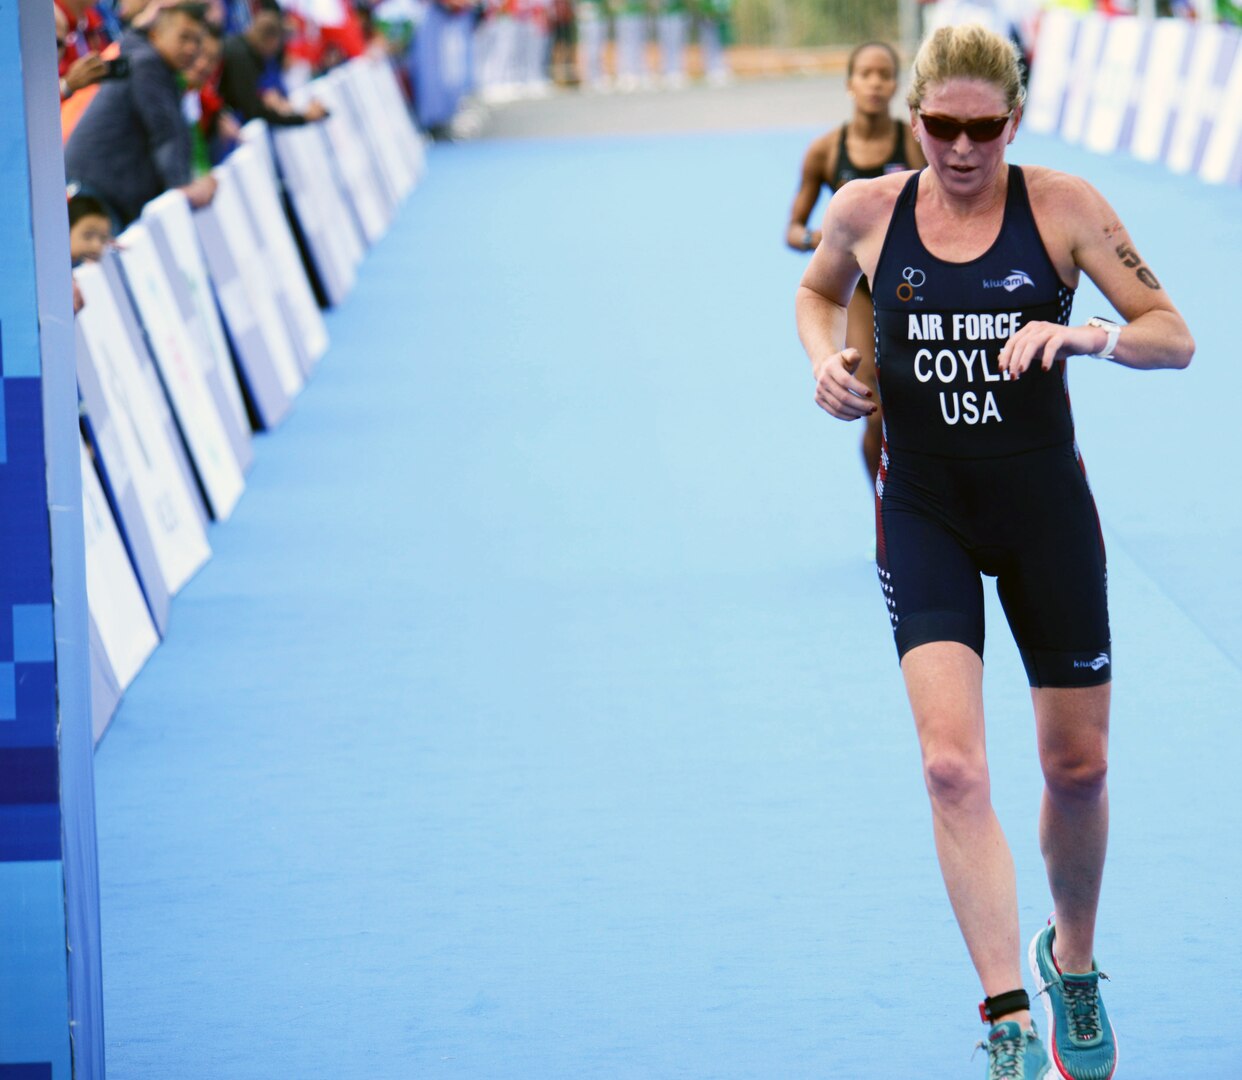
(912, 279)
(1015, 280)
(1095, 665)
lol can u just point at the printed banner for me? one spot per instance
(262, 336)
(353, 158)
(171, 224)
(133, 433)
(1054, 54)
(1211, 57)
(1222, 160)
(117, 607)
(1087, 49)
(326, 219)
(1167, 59)
(51, 994)
(197, 415)
(255, 171)
(397, 109)
(1110, 122)
(369, 107)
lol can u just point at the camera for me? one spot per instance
(117, 68)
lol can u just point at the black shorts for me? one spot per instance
(1029, 521)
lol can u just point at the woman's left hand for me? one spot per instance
(1044, 343)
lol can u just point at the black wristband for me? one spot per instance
(1011, 1001)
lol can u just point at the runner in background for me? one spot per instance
(870, 144)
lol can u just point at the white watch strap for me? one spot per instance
(1114, 332)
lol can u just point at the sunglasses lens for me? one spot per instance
(986, 130)
(939, 127)
(948, 129)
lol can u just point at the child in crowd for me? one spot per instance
(90, 229)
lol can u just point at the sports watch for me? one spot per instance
(1114, 332)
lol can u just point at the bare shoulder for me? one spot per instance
(1070, 213)
(862, 206)
(1066, 206)
(1055, 191)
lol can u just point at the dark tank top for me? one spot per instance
(940, 325)
(846, 170)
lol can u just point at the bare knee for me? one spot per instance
(956, 778)
(1076, 774)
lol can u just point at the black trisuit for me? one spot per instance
(846, 170)
(978, 474)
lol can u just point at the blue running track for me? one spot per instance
(538, 715)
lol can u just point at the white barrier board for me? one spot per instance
(397, 111)
(1054, 52)
(370, 109)
(1222, 160)
(1082, 76)
(1111, 115)
(247, 291)
(191, 398)
(171, 225)
(1161, 87)
(113, 595)
(353, 159)
(256, 172)
(1211, 50)
(137, 447)
(328, 222)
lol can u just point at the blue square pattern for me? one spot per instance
(34, 639)
(8, 692)
(41, 1070)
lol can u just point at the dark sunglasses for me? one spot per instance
(948, 128)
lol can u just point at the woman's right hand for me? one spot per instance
(838, 392)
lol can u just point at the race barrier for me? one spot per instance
(201, 322)
(1164, 90)
(198, 329)
(51, 990)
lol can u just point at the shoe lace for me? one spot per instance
(1004, 1058)
(1082, 1009)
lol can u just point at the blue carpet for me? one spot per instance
(538, 714)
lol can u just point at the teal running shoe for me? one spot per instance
(1084, 1046)
(1014, 1054)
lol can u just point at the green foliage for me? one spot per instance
(814, 23)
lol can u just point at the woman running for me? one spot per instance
(973, 265)
(870, 144)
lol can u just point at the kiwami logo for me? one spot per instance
(1015, 280)
(1095, 665)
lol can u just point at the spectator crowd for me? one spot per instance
(154, 92)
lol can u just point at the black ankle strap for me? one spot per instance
(993, 1008)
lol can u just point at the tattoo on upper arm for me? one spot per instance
(1130, 258)
(1112, 230)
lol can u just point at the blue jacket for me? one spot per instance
(133, 142)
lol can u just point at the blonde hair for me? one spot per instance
(967, 52)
